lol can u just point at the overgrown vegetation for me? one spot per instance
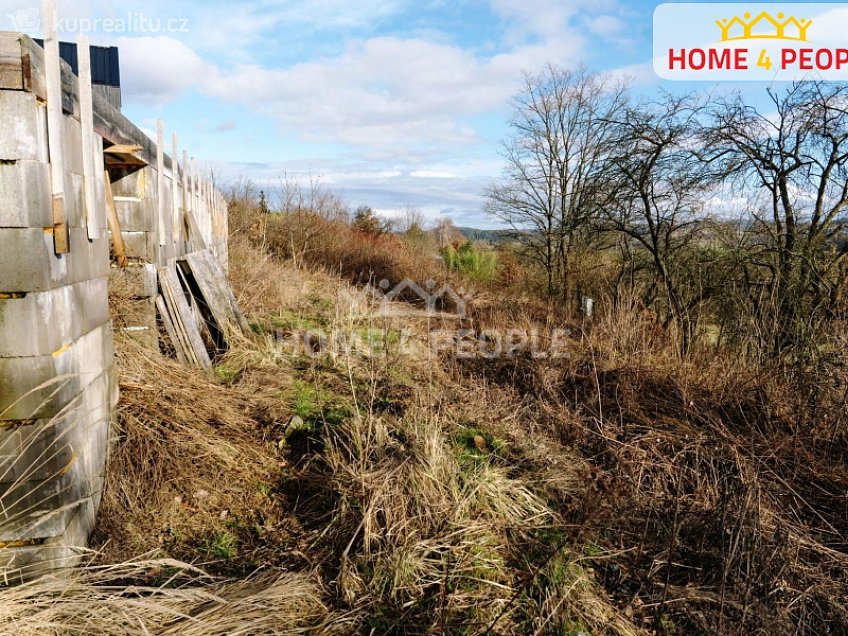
(727, 222)
(471, 261)
(648, 482)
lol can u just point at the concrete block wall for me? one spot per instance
(58, 382)
(58, 377)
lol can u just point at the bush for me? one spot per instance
(472, 262)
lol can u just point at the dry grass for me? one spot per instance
(98, 600)
(617, 491)
(720, 481)
(189, 457)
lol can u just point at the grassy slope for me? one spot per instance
(617, 491)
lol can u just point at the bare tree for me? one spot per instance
(656, 187)
(797, 156)
(562, 133)
(411, 219)
(446, 233)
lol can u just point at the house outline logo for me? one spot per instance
(25, 20)
(431, 295)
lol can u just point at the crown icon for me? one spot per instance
(783, 28)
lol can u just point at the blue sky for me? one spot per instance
(388, 102)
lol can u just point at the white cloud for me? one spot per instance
(605, 25)
(155, 70)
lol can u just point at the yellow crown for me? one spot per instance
(784, 28)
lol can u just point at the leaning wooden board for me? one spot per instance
(171, 330)
(216, 292)
(183, 319)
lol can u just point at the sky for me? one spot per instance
(389, 103)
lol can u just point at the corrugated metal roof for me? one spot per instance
(105, 63)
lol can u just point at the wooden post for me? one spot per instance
(87, 126)
(114, 223)
(185, 180)
(193, 186)
(55, 126)
(175, 187)
(160, 177)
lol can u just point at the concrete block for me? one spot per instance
(28, 262)
(30, 388)
(75, 200)
(41, 387)
(27, 452)
(39, 450)
(25, 196)
(140, 245)
(20, 122)
(42, 322)
(72, 140)
(78, 443)
(33, 509)
(134, 215)
(132, 184)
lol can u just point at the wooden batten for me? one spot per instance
(175, 187)
(55, 129)
(160, 182)
(114, 223)
(87, 138)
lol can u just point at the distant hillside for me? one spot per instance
(491, 236)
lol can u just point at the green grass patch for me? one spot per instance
(221, 546)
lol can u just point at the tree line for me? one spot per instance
(717, 212)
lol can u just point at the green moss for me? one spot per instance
(316, 406)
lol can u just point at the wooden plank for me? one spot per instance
(183, 319)
(160, 181)
(216, 291)
(175, 187)
(170, 297)
(100, 186)
(180, 335)
(11, 62)
(185, 180)
(194, 235)
(171, 330)
(87, 134)
(193, 188)
(227, 291)
(123, 149)
(114, 224)
(55, 125)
